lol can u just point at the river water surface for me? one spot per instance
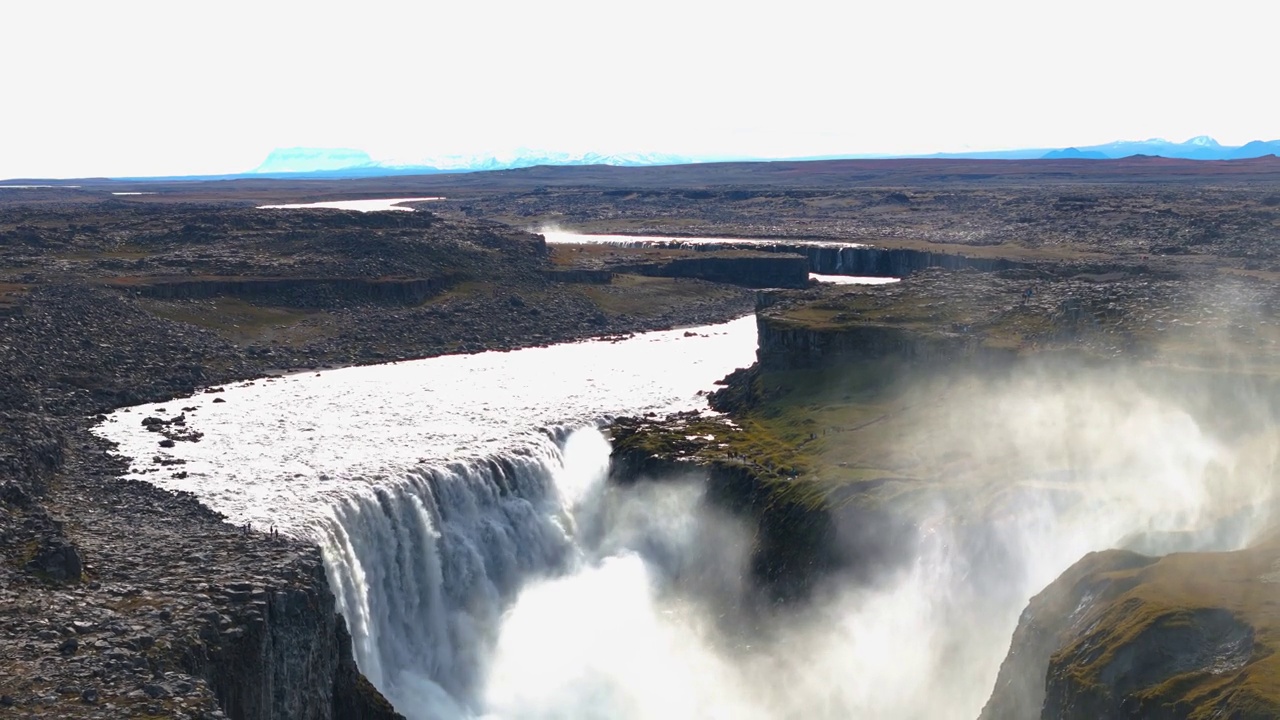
(375, 205)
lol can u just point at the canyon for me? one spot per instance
(1140, 310)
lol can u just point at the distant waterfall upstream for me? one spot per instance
(825, 257)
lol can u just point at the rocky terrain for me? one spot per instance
(1133, 312)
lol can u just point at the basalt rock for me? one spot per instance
(354, 697)
(1049, 620)
(828, 258)
(754, 271)
(56, 558)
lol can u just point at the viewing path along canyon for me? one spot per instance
(889, 439)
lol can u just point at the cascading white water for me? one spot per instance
(424, 567)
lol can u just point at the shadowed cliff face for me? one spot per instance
(1053, 615)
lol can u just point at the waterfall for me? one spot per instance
(424, 567)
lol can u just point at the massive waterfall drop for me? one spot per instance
(487, 569)
(424, 568)
(449, 494)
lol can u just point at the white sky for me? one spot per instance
(140, 88)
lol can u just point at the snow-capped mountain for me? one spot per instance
(329, 160)
(299, 159)
(529, 158)
(1201, 147)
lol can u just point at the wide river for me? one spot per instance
(277, 450)
(371, 205)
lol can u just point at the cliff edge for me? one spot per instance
(1189, 635)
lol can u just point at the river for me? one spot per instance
(487, 570)
(563, 237)
(371, 205)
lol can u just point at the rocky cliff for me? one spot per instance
(1188, 635)
(873, 261)
(794, 541)
(1051, 617)
(119, 598)
(754, 271)
(787, 345)
(854, 259)
(286, 655)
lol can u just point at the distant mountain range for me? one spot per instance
(347, 162)
(1197, 148)
(1201, 147)
(344, 163)
(358, 162)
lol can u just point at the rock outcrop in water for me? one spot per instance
(793, 547)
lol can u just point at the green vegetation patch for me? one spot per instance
(816, 433)
(644, 297)
(241, 321)
(12, 293)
